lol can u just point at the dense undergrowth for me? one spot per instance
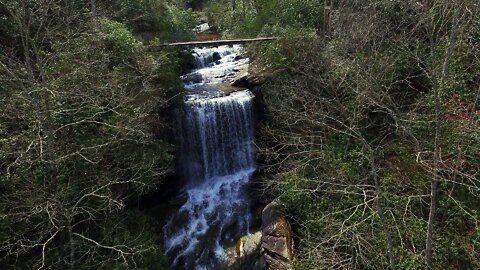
(372, 108)
(369, 113)
(80, 96)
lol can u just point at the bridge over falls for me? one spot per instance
(214, 43)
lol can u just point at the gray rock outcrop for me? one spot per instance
(277, 241)
(270, 248)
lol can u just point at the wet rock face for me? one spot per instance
(241, 80)
(249, 80)
(192, 78)
(277, 241)
(271, 248)
(246, 254)
(216, 57)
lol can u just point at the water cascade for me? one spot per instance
(216, 160)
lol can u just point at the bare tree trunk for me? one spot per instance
(94, 8)
(379, 209)
(327, 11)
(72, 247)
(431, 215)
(436, 153)
(244, 9)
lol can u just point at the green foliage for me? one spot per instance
(137, 227)
(143, 15)
(162, 17)
(171, 64)
(119, 38)
(351, 128)
(78, 140)
(266, 17)
(271, 55)
(306, 13)
(182, 20)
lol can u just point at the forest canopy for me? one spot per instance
(369, 139)
(79, 94)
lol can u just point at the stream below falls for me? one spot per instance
(216, 159)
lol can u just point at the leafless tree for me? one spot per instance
(63, 124)
(349, 86)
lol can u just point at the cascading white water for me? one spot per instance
(216, 158)
(214, 66)
(201, 28)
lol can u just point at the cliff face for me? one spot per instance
(269, 248)
(277, 240)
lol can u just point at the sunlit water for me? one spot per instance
(216, 159)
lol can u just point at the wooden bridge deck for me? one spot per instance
(215, 43)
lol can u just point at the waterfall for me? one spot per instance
(214, 66)
(201, 28)
(216, 160)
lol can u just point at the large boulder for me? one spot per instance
(242, 77)
(193, 77)
(241, 80)
(248, 80)
(271, 248)
(246, 254)
(277, 240)
(216, 57)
